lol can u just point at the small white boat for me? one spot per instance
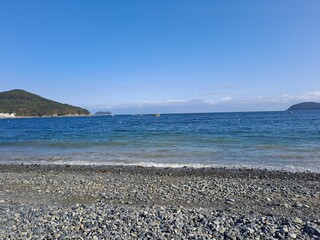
(156, 115)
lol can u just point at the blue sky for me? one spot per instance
(163, 56)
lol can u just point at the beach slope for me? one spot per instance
(116, 202)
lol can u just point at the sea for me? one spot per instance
(265, 140)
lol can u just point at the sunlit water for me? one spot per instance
(272, 140)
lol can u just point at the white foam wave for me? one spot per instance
(289, 168)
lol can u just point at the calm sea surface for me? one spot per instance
(273, 140)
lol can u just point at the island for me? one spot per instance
(103, 113)
(20, 103)
(305, 106)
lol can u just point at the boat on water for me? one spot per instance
(156, 115)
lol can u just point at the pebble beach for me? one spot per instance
(131, 202)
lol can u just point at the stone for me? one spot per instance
(286, 205)
(293, 235)
(216, 222)
(297, 220)
(284, 229)
(297, 205)
(313, 230)
(251, 231)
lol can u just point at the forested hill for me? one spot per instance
(24, 103)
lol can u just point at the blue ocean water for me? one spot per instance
(272, 140)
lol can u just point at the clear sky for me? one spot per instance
(148, 56)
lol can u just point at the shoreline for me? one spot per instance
(132, 202)
(27, 117)
(149, 165)
(167, 170)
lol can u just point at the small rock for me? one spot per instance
(312, 230)
(293, 235)
(284, 229)
(279, 235)
(251, 231)
(297, 205)
(216, 222)
(297, 220)
(230, 201)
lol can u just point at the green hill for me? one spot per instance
(24, 103)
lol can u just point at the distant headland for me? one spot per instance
(305, 106)
(20, 103)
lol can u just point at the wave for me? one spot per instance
(289, 168)
(160, 160)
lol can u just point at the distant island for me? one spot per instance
(102, 113)
(305, 106)
(20, 103)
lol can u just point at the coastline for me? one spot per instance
(271, 203)
(180, 171)
(51, 116)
